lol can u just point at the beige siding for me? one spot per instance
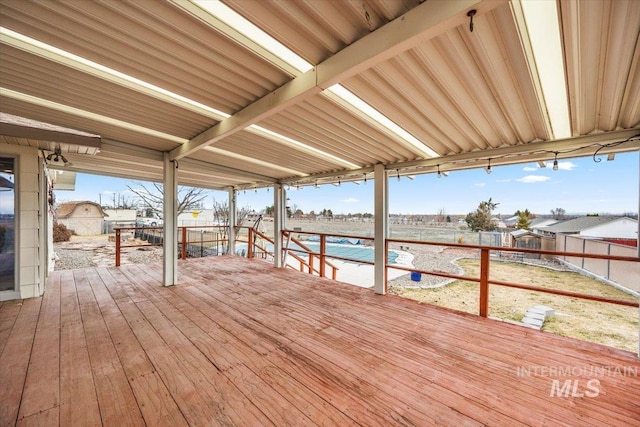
(27, 246)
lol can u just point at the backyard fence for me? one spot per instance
(624, 274)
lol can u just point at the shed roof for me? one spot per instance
(152, 78)
(66, 210)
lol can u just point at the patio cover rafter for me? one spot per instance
(425, 21)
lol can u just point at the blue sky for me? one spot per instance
(579, 186)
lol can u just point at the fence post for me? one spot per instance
(484, 282)
(250, 243)
(117, 247)
(184, 243)
(323, 248)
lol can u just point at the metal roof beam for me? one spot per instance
(543, 150)
(423, 22)
(206, 166)
(566, 148)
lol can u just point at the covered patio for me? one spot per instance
(243, 343)
(186, 93)
(235, 95)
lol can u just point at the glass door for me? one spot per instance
(7, 224)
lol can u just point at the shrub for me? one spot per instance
(61, 233)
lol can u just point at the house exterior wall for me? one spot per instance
(86, 220)
(120, 215)
(623, 228)
(200, 218)
(27, 214)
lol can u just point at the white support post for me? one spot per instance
(381, 207)
(43, 230)
(638, 246)
(170, 203)
(232, 221)
(279, 212)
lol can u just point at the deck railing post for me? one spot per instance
(183, 254)
(117, 247)
(310, 263)
(386, 268)
(484, 282)
(323, 249)
(250, 244)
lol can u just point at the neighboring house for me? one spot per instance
(511, 222)
(536, 223)
(594, 227)
(84, 218)
(197, 217)
(119, 218)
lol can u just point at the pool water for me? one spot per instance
(361, 253)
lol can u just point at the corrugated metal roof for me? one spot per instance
(577, 225)
(467, 96)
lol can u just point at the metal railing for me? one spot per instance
(305, 264)
(193, 241)
(220, 242)
(485, 281)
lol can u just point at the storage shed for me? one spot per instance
(84, 218)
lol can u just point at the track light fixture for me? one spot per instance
(57, 156)
(488, 168)
(398, 174)
(542, 164)
(555, 161)
(611, 157)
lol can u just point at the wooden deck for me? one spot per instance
(241, 343)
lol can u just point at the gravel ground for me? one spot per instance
(97, 251)
(439, 259)
(432, 258)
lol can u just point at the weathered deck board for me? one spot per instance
(41, 390)
(14, 360)
(242, 343)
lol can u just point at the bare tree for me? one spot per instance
(558, 213)
(153, 197)
(221, 216)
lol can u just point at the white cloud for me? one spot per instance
(479, 184)
(566, 166)
(350, 200)
(533, 178)
(529, 169)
